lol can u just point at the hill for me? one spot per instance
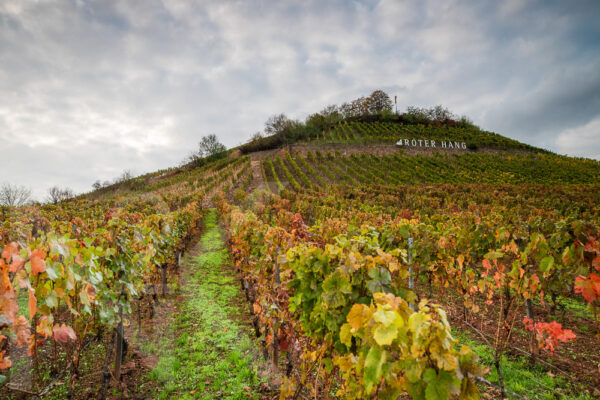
(380, 256)
(358, 152)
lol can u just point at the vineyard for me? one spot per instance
(358, 274)
(390, 132)
(75, 272)
(512, 261)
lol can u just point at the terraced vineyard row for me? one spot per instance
(319, 170)
(389, 132)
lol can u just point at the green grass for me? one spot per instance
(210, 355)
(533, 382)
(576, 307)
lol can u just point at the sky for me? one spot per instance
(89, 88)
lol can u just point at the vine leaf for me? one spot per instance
(37, 261)
(588, 287)
(359, 314)
(385, 335)
(373, 367)
(32, 303)
(334, 287)
(64, 333)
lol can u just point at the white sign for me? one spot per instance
(442, 144)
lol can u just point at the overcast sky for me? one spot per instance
(89, 89)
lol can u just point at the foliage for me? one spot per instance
(349, 297)
(549, 334)
(72, 270)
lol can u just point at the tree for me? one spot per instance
(433, 114)
(97, 185)
(324, 119)
(209, 149)
(416, 115)
(330, 111)
(379, 102)
(13, 195)
(209, 146)
(256, 136)
(440, 114)
(359, 106)
(125, 176)
(276, 124)
(57, 194)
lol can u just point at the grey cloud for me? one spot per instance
(567, 99)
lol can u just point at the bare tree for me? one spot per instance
(440, 113)
(57, 194)
(346, 110)
(256, 136)
(330, 110)
(125, 176)
(97, 185)
(13, 195)
(433, 114)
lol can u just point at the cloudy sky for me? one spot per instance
(91, 88)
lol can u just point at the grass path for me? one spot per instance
(209, 354)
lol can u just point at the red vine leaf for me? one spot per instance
(64, 333)
(9, 250)
(588, 287)
(37, 261)
(32, 303)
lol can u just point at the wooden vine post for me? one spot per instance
(120, 342)
(411, 279)
(105, 370)
(533, 348)
(164, 280)
(275, 325)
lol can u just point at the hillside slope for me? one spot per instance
(497, 238)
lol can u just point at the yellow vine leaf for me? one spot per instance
(359, 314)
(385, 335)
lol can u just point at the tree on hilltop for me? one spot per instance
(376, 103)
(379, 102)
(276, 124)
(209, 148)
